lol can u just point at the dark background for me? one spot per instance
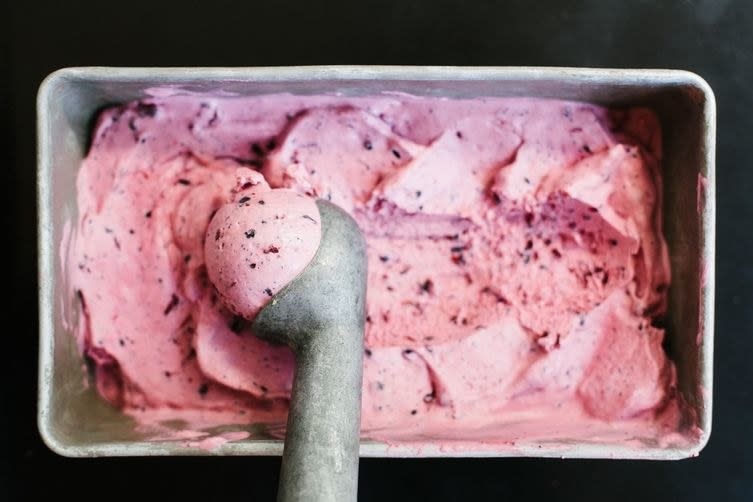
(712, 38)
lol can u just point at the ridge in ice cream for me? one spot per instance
(516, 260)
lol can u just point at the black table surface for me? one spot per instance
(711, 37)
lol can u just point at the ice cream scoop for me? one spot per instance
(320, 314)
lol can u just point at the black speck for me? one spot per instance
(418, 193)
(236, 325)
(249, 233)
(459, 134)
(243, 200)
(257, 149)
(529, 244)
(427, 286)
(261, 202)
(613, 242)
(556, 253)
(203, 389)
(413, 412)
(168, 374)
(496, 295)
(384, 259)
(367, 145)
(271, 249)
(247, 185)
(187, 258)
(174, 300)
(131, 231)
(396, 153)
(587, 149)
(264, 388)
(496, 198)
(217, 235)
(268, 292)
(310, 218)
(121, 342)
(253, 265)
(146, 109)
(407, 352)
(148, 214)
(184, 181)
(528, 182)
(528, 217)
(367, 352)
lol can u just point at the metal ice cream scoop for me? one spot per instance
(320, 315)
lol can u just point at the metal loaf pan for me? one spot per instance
(72, 419)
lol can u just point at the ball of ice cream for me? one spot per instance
(259, 243)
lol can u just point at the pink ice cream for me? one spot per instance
(257, 244)
(516, 260)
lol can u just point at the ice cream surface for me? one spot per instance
(516, 260)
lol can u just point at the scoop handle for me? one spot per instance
(320, 459)
(321, 316)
